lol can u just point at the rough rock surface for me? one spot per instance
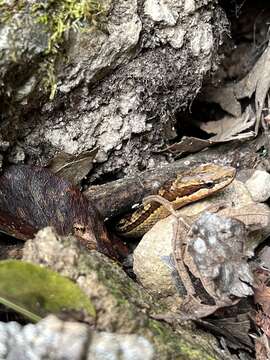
(152, 254)
(22, 42)
(122, 306)
(122, 86)
(54, 339)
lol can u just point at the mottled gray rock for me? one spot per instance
(122, 86)
(22, 41)
(54, 339)
(108, 346)
(216, 254)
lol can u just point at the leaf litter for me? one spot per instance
(32, 198)
(240, 122)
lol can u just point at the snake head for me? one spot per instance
(203, 180)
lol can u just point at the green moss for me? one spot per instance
(8, 11)
(194, 353)
(178, 345)
(57, 18)
(43, 292)
(130, 298)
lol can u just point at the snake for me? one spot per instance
(187, 187)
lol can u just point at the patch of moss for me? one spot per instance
(7, 11)
(57, 18)
(131, 304)
(176, 346)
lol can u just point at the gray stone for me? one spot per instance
(121, 86)
(259, 186)
(54, 339)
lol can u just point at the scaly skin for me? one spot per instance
(186, 188)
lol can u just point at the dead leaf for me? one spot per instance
(263, 322)
(32, 198)
(212, 251)
(262, 348)
(225, 97)
(235, 329)
(226, 129)
(231, 128)
(215, 254)
(257, 81)
(264, 257)
(262, 291)
(256, 218)
(194, 309)
(188, 144)
(73, 167)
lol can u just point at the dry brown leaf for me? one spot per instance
(235, 328)
(225, 97)
(262, 348)
(254, 216)
(258, 81)
(263, 322)
(231, 128)
(264, 257)
(228, 128)
(188, 144)
(262, 291)
(194, 309)
(73, 167)
(32, 198)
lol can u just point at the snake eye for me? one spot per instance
(210, 184)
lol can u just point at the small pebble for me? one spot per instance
(259, 186)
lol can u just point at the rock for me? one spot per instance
(55, 339)
(150, 266)
(122, 306)
(151, 256)
(22, 41)
(259, 186)
(4, 145)
(121, 85)
(126, 347)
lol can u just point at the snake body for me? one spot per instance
(188, 187)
